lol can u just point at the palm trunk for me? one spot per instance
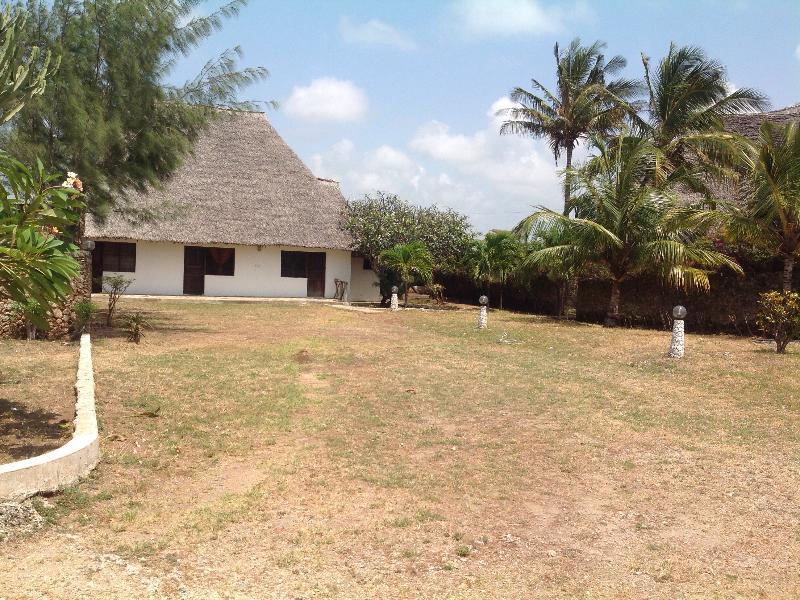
(562, 291)
(788, 268)
(612, 316)
(405, 298)
(501, 296)
(566, 181)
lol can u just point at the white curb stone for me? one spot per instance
(65, 465)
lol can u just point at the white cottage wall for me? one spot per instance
(159, 269)
(257, 272)
(362, 282)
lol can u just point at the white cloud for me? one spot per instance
(327, 99)
(435, 140)
(494, 179)
(797, 52)
(514, 165)
(387, 157)
(513, 17)
(375, 33)
(391, 170)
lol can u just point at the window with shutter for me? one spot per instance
(293, 264)
(220, 261)
(119, 257)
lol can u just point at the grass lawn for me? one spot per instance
(298, 451)
(37, 397)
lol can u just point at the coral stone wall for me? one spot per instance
(730, 306)
(12, 325)
(63, 316)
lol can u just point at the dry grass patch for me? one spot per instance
(278, 450)
(37, 397)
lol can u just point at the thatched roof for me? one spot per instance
(748, 124)
(241, 185)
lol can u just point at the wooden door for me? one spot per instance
(97, 268)
(194, 270)
(315, 273)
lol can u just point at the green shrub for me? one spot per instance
(134, 326)
(779, 317)
(32, 313)
(114, 286)
(84, 313)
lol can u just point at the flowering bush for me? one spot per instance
(779, 317)
(36, 246)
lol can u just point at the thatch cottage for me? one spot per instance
(242, 217)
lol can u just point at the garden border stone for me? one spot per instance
(63, 466)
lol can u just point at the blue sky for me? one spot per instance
(400, 96)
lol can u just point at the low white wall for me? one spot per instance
(362, 282)
(257, 272)
(63, 466)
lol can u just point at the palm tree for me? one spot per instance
(770, 217)
(584, 103)
(688, 99)
(628, 227)
(534, 238)
(410, 262)
(495, 257)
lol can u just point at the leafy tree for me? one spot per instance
(37, 215)
(585, 102)
(627, 227)
(412, 263)
(383, 220)
(23, 69)
(495, 257)
(688, 98)
(770, 215)
(779, 317)
(111, 113)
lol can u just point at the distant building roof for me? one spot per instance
(241, 185)
(748, 124)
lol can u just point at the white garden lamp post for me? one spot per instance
(676, 347)
(483, 318)
(394, 305)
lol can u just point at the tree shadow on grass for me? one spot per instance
(158, 320)
(26, 432)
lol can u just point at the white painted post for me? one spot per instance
(483, 316)
(677, 344)
(394, 304)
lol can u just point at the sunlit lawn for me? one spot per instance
(284, 450)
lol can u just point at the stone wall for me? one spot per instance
(539, 296)
(63, 316)
(12, 324)
(730, 306)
